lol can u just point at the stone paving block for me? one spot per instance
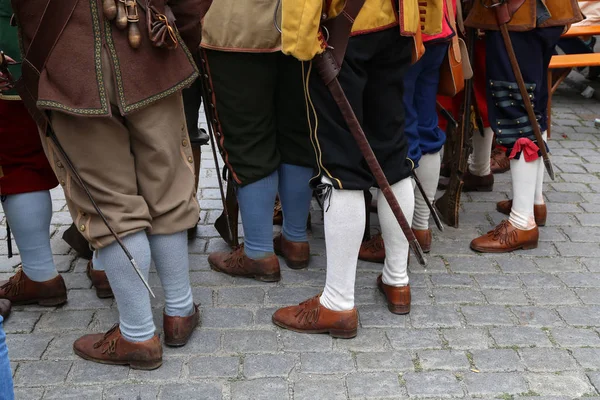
(47, 372)
(495, 384)
(581, 316)
(581, 280)
(85, 300)
(562, 197)
(520, 336)
(439, 384)
(28, 393)
(595, 380)
(374, 385)
(226, 318)
(558, 264)
(287, 296)
(547, 360)
(434, 317)
(588, 358)
(61, 347)
(196, 391)
(567, 384)
(214, 367)
(458, 296)
(91, 372)
(487, 315)
(537, 316)
(269, 365)
(592, 264)
(513, 265)
(260, 389)
(400, 361)
(28, 347)
(402, 339)
(57, 321)
(589, 296)
(452, 280)
(553, 296)
(576, 337)
(201, 342)
(367, 340)
(472, 265)
(570, 249)
(301, 342)
(210, 278)
(240, 297)
(467, 338)
(249, 341)
(451, 360)
(311, 388)
(378, 316)
(505, 297)
(498, 281)
(542, 281)
(170, 370)
(497, 360)
(583, 234)
(21, 322)
(74, 393)
(131, 391)
(435, 265)
(327, 363)
(305, 277)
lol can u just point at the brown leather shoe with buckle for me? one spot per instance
(5, 307)
(474, 183)
(295, 254)
(499, 162)
(373, 250)
(311, 317)
(505, 238)
(179, 329)
(19, 289)
(99, 281)
(424, 238)
(539, 211)
(398, 298)
(237, 263)
(112, 348)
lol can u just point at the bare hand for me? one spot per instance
(5, 76)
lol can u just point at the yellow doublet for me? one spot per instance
(301, 18)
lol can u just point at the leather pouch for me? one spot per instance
(161, 27)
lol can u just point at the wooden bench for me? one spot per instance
(567, 62)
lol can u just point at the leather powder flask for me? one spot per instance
(452, 70)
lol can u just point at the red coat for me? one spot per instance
(23, 164)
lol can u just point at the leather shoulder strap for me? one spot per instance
(340, 28)
(53, 22)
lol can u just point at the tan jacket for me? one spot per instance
(563, 12)
(72, 80)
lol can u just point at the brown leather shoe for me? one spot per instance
(311, 317)
(505, 238)
(474, 183)
(539, 211)
(499, 162)
(277, 213)
(237, 264)
(295, 254)
(373, 250)
(112, 348)
(4, 308)
(99, 281)
(179, 329)
(19, 289)
(398, 298)
(424, 238)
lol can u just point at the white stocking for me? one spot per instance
(429, 175)
(479, 163)
(396, 245)
(539, 184)
(524, 175)
(344, 220)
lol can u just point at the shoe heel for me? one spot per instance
(297, 264)
(343, 333)
(104, 293)
(53, 301)
(269, 277)
(530, 246)
(146, 365)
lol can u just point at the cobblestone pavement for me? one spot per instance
(523, 325)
